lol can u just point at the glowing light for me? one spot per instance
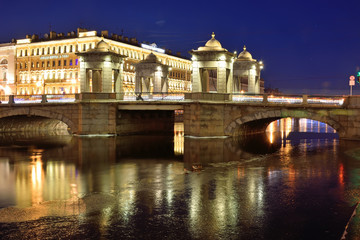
(87, 34)
(152, 47)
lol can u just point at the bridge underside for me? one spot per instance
(33, 124)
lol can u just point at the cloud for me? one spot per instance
(160, 23)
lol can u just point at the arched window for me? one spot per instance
(4, 61)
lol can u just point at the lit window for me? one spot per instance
(70, 63)
(76, 61)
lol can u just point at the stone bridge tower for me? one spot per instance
(101, 71)
(151, 76)
(212, 68)
(247, 73)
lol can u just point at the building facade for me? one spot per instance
(7, 68)
(50, 65)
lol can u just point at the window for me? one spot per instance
(64, 62)
(42, 51)
(25, 65)
(70, 63)
(59, 63)
(48, 64)
(59, 50)
(76, 75)
(76, 61)
(20, 65)
(53, 64)
(37, 64)
(42, 64)
(53, 52)
(64, 49)
(37, 51)
(32, 52)
(25, 52)
(71, 48)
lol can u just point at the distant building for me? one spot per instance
(7, 68)
(50, 65)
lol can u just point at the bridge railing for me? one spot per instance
(156, 97)
(21, 99)
(289, 99)
(241, 98)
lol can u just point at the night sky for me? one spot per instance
(306, 46)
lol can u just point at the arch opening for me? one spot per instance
(33, 125)
(299, 128)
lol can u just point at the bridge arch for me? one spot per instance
(257, 122)
(27, 111)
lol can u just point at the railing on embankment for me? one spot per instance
(178, 97)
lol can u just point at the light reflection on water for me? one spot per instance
(266, 187)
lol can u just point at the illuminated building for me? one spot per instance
(50, 65)
(7, 68)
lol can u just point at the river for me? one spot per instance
(297, 181)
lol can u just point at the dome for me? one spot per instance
(151, 58)
(102, 46)
(245, 55)
(212, 45)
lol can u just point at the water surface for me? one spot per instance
(273, 186)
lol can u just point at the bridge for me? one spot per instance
(204, 114)
(213, 108)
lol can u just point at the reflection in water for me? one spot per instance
(136, 186)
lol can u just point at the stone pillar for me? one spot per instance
(96, 81)
(251, 81)
(138, 83)
(221, 80)
(157, 82)
(196, 80)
